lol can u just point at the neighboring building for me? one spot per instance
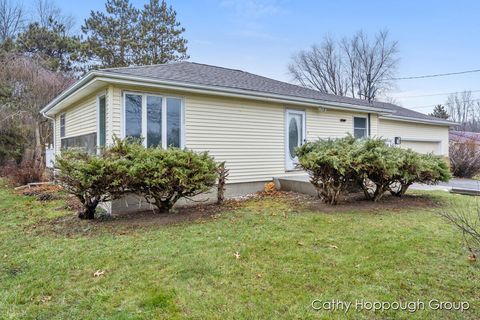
(251, 122)
(465, 137)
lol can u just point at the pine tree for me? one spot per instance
(440, 112)
(160, 35)
(112, 36)
(51, 43)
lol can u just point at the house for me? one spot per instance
(465, 137)
(251, 122)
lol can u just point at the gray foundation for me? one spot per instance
(135, 203)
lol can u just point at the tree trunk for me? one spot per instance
(89, 208)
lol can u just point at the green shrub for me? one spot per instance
(376, 166)
(329, 164)
(163, 176)
(91, 178)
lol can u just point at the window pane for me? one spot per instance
(133, 115)
(174, 126)
(293, 136)
(360, 133)
(62, 125)
(360, 123)
(102, 121)
(154, 121)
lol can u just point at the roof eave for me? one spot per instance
(419, 120)
(176, 85)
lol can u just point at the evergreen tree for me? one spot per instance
(440, 112)
(52, 44)
(112, 36)
(160, 35)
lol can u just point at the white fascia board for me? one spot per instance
(94, 76)
(418, 120)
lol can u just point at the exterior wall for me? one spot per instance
(248, 135)
(419, 137)
(80, 119)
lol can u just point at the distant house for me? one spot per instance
(465, 136)
(252, 122)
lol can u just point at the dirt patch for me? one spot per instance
(126, 223)
(357, 202)
(129, 223)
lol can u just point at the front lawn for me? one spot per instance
(264, 258)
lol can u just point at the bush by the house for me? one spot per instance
(91, 178)
(464, 158)
(329, 164)
(376, 166)
(164, 176)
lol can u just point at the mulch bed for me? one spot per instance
(128, 223)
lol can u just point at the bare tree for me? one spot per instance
(464, 109)
(46, 11)
(357, 67)
(30, 85)
(321, 68)
(11, 20)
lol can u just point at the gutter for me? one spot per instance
(418, 120)
(182, 86)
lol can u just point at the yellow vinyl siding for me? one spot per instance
(80, 119)
(249, 135)
(417, 136)
(327, 124)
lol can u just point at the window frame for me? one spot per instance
(63, 116)
(144, 121)
(367, 124)
(100, 96)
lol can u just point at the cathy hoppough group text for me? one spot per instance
(409, 306)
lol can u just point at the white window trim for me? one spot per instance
(366, 124)
(99, 96)
(164, 116)
(63, 114)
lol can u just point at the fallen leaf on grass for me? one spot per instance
(259, 275)
(300, 243)
(333, 246)
(45, 299)
(99, 273)
(472, 258)
(237, 255)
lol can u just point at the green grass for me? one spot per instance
(288, 257)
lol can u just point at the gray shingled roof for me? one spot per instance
(202, 74)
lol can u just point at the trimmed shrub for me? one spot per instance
(376, 166)
(329, 164)
(91, 178)
(163, 176)
(420, 168)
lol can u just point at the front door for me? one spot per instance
(294, 136)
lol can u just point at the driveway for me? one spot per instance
(468, 184)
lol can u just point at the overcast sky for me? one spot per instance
(261, 36)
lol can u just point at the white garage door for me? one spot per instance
(422, 146)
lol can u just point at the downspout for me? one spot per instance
(369, 126)
(54, 136)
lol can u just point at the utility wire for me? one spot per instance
(435, 94)
(436, 75)
(433, 105)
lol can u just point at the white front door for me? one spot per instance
(294, 136)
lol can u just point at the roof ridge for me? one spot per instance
(147, 65)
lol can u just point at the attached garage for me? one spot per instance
(420, 137)
(422, 146)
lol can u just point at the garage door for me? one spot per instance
(422, 146)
